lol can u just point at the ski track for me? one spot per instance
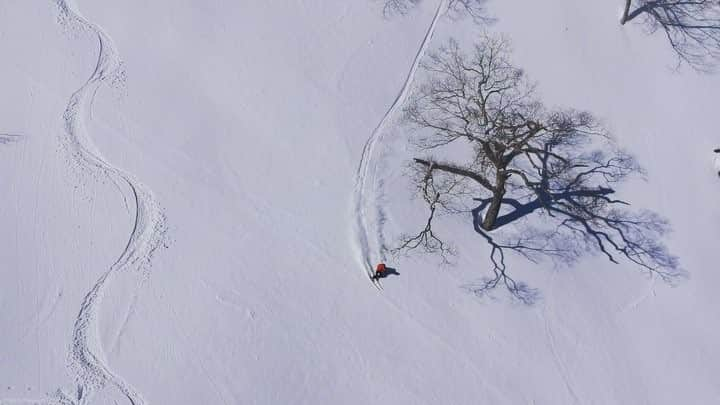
(87, 359)
(560, 365)
(636, 302)
(366, 177)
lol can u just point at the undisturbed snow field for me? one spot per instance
(181, 183)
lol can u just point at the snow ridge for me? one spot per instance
(87, 359)
(366, 207)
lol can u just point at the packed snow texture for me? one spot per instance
(193, 191)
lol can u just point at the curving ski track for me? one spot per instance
(366, 177)
(87, 358)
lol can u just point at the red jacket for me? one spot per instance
(380, 268)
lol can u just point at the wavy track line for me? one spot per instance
(87, 359)
(364, 192)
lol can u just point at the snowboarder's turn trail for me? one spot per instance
(366, 209)
(87, 359)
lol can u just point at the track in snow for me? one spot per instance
(86, 358)
(366, 207)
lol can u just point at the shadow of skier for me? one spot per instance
(388, 271)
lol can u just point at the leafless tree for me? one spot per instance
(691, 26)
(535, 182)
(456, 8)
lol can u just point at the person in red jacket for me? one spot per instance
(380, 271)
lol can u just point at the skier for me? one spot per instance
(380, 271)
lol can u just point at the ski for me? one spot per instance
(375, 281)
(371, 275)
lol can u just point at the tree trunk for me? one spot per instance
(492, 213)
(494, 209)
(624, 17)
(645, 8)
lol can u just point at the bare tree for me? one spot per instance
(534, 181)
(691, 26)
(456, 8)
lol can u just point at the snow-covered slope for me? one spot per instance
(259, 143)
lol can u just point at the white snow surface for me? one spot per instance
(192, 191)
